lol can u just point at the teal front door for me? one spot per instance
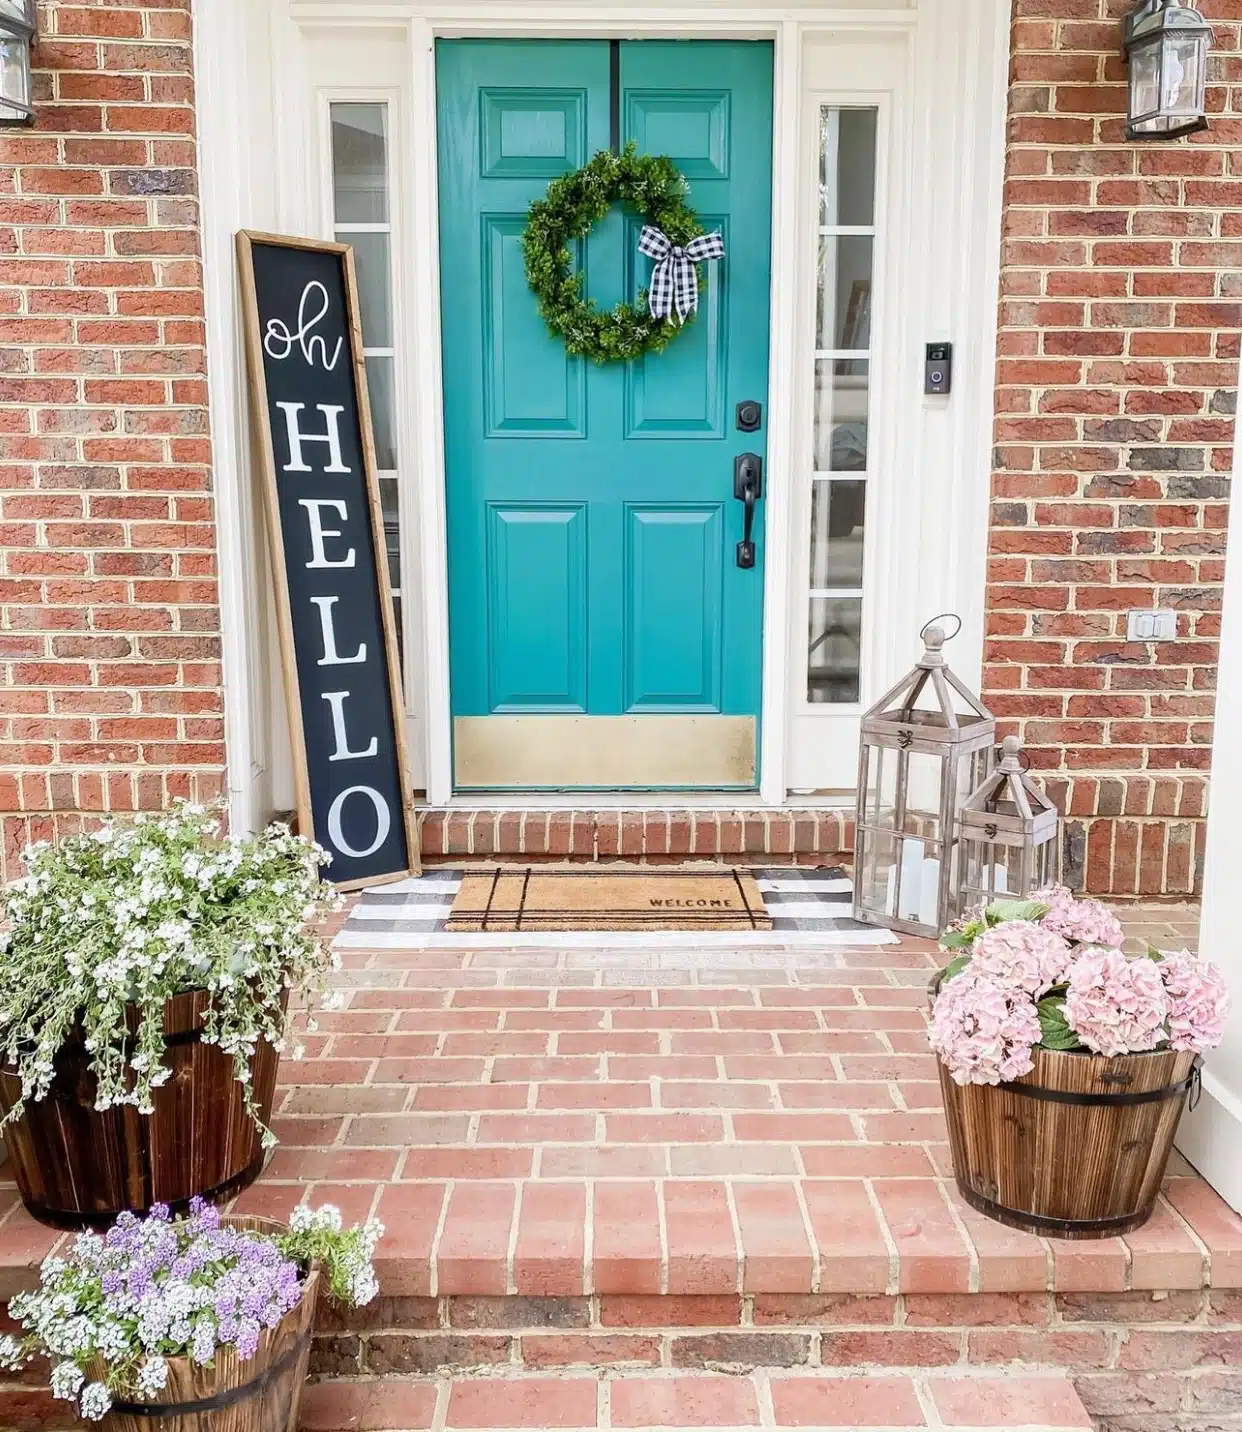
(602, 632)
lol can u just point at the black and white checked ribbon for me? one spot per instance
(674, 283)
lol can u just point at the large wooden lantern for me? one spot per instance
(925, 746)
(1007, 835)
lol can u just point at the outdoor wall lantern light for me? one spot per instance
(1166, 46)
(926, 745)
(17, 33)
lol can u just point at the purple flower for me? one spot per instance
(248, 1338)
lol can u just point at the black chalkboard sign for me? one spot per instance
(342, 678)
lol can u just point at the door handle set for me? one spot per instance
(748, 489)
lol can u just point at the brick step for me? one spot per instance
(688, 1400)
(1109, 1336)
(778, 835)
(684, 1237)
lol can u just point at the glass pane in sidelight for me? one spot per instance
(835, 650)
(374, 267)
(843, 301)
(837, 511)
(841, 400)
(360, 163)
(392, 528)
(379, 386)
(847, 166)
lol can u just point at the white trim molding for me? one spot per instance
(1211, 1136)
(233, 80)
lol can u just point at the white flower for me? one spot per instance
(95, 1401)
(153, 1375)
(364, 1287)
(11, 1355)
(67, 1378)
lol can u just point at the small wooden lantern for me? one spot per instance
(916, 766)
(1008, 836)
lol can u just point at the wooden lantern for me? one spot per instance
(926, 744)
(1007, 835)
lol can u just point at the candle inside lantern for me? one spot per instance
(911, 898)
(929, 892)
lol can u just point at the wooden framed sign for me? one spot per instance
(308, 389)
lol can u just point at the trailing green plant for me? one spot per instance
(106, 927)
(650, 186)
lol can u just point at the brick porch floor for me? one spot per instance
(620, 1175)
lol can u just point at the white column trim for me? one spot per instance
(782, 410)
(1211, 1137)
(224, 159)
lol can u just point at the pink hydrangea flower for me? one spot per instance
(1021, 954)
(1198, 1001)
(984, 1031)
(1116, 1005)
(1083, 922)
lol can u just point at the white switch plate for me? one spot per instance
(1160, 625)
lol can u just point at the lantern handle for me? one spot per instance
(923, 630)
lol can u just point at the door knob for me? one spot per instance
(748, 489)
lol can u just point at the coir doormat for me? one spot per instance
(534, 898)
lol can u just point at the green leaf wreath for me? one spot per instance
(648, 185)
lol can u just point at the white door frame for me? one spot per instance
(935, 25)
(546, 21)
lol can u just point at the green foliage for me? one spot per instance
(1055, 1032)
(957, 939)
(1001, 910)
(649, 186)
(954, 967)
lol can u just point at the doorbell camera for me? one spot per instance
(938, 369)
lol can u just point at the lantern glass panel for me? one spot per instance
(992, 870)
(1144, 80)
(14, 79)
(878, 856)
(1182, 76)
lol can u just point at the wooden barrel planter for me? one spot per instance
(259, 1394)
(78, 1168)
(1077, 1148)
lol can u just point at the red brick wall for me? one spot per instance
(1116, 388)
(110, 687)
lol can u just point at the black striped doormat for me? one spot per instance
(807, 905)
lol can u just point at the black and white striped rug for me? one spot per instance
(808, 905)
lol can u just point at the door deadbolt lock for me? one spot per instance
(749, 416)
(748, 489)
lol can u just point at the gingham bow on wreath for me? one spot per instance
(674, 283)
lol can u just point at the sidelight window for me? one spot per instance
(842, 441)
(362, 217)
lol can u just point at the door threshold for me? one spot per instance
(642, 800)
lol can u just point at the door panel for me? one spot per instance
(681, 392)
(591, 518)
(673, 598)
(532, 387)
(536, 570)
